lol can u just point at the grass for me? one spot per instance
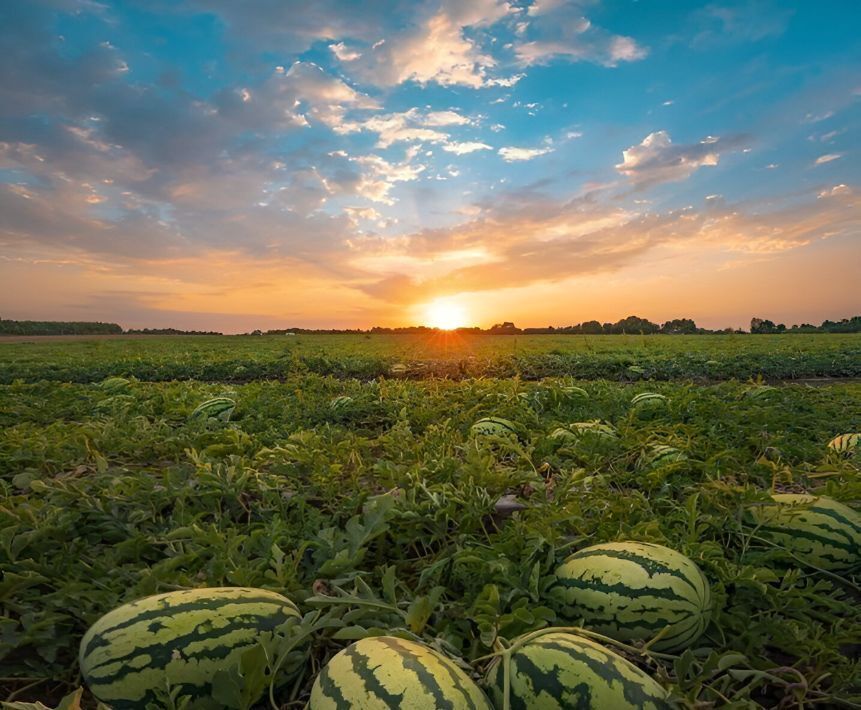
(379, 513)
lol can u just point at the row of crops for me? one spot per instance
(394, 512)
(623, 358)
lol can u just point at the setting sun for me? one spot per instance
(445, 314)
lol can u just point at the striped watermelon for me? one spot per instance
(594, 429)
(178, 639)
(648, 399)
(633, 590)
(388, 672)
(660, 455)
(494, 426)
(557, 670)
(574, 392)
(340, 403)
(817, 530)
(216, 408)
(845, 443)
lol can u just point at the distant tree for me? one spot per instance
(760, 326)
(680, 326)
(505, 328)
(635, 324)
(591, 327)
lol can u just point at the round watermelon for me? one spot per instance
(595, 430)
(494, 426)
(817, 530)
(216, 408)
(634, 591)
(388, 672)
(178, 640)
(561, 670)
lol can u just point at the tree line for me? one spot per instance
(37, 327)
(632, 325)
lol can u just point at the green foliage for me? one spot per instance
(616, 357)
(379, 516)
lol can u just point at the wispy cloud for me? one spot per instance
(827, 158)
(465, 147)
(656, 159)
(512, 154)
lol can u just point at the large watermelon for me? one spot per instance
(558, 670)
(634, 590)
(178, 639)
(817, 530)
(388, 672)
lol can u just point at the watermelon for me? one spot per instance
(590, 430)
(559, 670)
(494, 426)
(661, 455)
(340, 403)
(574, 392)
(632, 591)
(179, 640)
(845, 443)
(215, 408)
(817, 530)
(388, 672)
(648, 399)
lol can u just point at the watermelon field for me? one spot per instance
(431, 521)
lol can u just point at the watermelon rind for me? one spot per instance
(494, 426)
(216, 408)
(384, 672)
(817, 530)
(178, 640)
(558, 670)
(634, 591)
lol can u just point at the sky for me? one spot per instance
(220, 165)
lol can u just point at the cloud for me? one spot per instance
(836, 191)
(344, 53)
(445, 118)
(656, 159)
(436, 49)
(411, 126)
(530, 241)
(557, 30)
(721, 24)
(381, 176)
(827, 158)
(465, 147)
(511, 154)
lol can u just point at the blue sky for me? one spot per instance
(267, 163)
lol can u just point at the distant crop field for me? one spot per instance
(243, 358)
(340, 472)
